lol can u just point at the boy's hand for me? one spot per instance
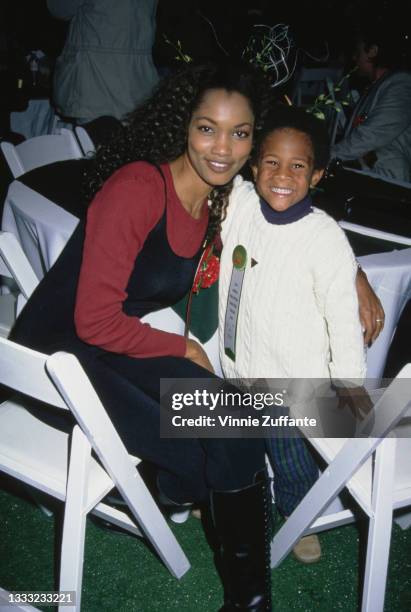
(356, 399)
(371, 311)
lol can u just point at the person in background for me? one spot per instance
(297, 316)
(106, 67)
(378, 135)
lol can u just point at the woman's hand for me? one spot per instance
(197, 354)
(371, 312)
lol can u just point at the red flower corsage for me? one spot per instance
(208, 269)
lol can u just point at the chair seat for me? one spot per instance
(7, 313)
(45, 464)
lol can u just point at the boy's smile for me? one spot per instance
(285, 169)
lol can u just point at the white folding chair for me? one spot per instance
(47, 459)
(41, 226)
(376, 471)
(40, 151)
(14, 265)
(86, 144)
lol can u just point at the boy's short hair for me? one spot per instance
(296, 118)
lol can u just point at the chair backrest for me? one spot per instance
(24, 370)
(85, 141)
(40, 151)
(41, 226)
(312, 82)
(14, 264)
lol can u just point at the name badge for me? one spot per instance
(233, 300)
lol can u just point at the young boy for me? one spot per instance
(297, 314)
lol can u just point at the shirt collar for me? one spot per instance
(292, 214)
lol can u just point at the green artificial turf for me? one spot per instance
(122, 574)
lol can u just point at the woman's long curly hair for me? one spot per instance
(157, 130)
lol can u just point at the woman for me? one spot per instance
(143, 239)
(145, 230)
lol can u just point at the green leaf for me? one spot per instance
(319, 115)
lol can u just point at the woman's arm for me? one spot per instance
(118, 222)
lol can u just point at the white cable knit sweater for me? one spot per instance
(298, 315)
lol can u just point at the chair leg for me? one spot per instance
(404, 521)
(318, 498)
(35, 497)
(74, 527)
(380, 527)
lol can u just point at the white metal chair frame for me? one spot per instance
(41, 456)
(367, 467)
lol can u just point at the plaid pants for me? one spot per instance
(295, 471)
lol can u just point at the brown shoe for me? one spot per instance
(308, 549)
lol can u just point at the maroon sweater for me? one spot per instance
(119, 219)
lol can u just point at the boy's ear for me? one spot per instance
(316, 176)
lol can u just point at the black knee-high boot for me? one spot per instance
(242, 520)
